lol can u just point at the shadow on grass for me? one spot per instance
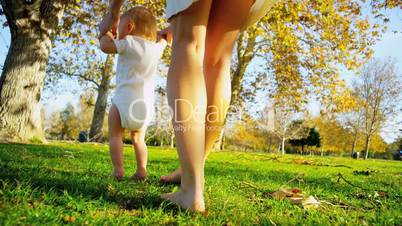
(92, 184)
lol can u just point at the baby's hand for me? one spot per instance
(111, 35)
(108, 34)
(166, 34)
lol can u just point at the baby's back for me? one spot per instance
(136, 69)
(137, 62)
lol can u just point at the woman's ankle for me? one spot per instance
(197, 189)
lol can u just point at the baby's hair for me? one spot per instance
(145, 22)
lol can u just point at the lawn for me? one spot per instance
(68, 183)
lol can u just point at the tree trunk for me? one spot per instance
(367, 146)
(283, 145)
(172, 140)
(32, 26)
(269, 144)
(354, 145)
(220, 143)
(98, 118)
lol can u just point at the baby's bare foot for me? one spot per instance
(140, 175)
(186, 200)
(118, 174)
(172, 178)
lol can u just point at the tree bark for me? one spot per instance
(245, 54)
(270, 144)
(172, 140)
(32, 26)
(354, 145)
(95, 133)
(367, 146)
(283, 145)
(219, 145)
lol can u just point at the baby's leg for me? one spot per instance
(141, 154)
(116, 133)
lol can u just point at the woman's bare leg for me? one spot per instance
(222, 31)
(187, 97)
(225, 22)
(141, 154)
(116, 133)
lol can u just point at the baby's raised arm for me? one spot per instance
(107, 44)
(111, 20)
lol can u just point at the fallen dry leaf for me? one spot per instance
(69, 219)
(283, 193)
(296, 190)
(296, 200)
(303, 161)
(310, 203)
(383, 194)
(296, 197)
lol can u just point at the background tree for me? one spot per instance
(353, 121)
(380, 90)
(161, 131)
(82, 60)
(301, 45)
(312, 139)
(329, 132)
(85, 110)
(285, 125)
(245, 136)
(68, 123)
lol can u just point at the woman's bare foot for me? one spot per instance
(172, 178)
(140, 175)
(186, 200)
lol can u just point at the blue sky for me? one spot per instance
(389, 46)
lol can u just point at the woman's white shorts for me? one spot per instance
(257, 11)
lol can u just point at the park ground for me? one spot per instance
(69, 183)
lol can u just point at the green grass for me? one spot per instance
(62, 183)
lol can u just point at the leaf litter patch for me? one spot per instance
(296, 196)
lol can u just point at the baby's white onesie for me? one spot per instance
(135, 80)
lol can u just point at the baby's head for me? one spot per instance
(138, 21)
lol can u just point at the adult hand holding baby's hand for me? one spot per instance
(166, 34)
(109, 24)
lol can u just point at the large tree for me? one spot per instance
(379, 88)
(353, 121)
(33, 26)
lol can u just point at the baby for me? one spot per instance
(132, 103)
